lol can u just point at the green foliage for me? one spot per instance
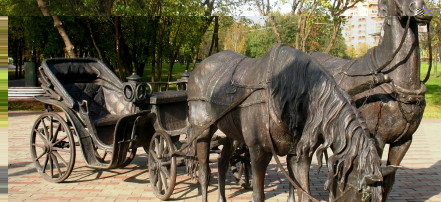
(148, 39)
(259, 41)
(100, 7)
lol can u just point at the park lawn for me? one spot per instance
(433, 93)
(3, 98)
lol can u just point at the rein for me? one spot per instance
(284, 171)
(430, 54)
(374, 60)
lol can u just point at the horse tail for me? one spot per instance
(191, 162)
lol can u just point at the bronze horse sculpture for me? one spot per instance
(283, 103)
(392, 110)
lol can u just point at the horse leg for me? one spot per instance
(203, 153)
(222, 165)
(299, 170)
(396, 155)
(259, 163)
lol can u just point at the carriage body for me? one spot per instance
(97, 115)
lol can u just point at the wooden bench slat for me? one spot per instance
(24, 94)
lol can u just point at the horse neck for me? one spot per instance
(404, 69)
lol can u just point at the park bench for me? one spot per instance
(24, 94)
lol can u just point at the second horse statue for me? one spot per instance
(283, 103)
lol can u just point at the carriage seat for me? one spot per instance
(105, 106)
(168, 97)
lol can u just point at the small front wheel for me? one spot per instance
(162, 167)
(52, 147)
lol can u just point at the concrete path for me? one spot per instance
(418, 180)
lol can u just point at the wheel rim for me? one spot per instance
(52, 147)
(162, 169)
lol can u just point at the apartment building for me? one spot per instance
(363, 25)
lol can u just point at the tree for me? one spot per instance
(259, 41)
(236, 37)
(264, 9)
(336, 9)
(59, 26)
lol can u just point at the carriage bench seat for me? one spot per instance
(108, 120)
(168, 97)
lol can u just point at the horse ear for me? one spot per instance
(382, 8)
(385, 171)
(372, 179)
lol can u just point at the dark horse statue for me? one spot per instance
(286, 102)
(393, 110)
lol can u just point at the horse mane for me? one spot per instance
(304, 90)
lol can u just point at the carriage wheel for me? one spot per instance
(162, 167)
(52, 147)
(130, 156)
(241, 167)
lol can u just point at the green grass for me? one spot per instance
(433, 93)
(11, 75)
(3, 98)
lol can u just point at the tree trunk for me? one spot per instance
(105, 6)
(174, 52)
(59, 26)
(43, 7)
(336, 29)
(64, 36)
(215, 37)
(299, 32)
(119, 48)
(160, 49)
(100, 56)
(436, 63)
(195, 57)
(275, 29)
(154, 37)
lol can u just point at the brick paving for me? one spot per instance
(418, 180)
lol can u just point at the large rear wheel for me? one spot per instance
(52, 147)
(162, 167)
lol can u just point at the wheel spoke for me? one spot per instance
(51, 134)
(157, 145)
(51, 165)
(54, 137)
(159, 183)
(105, 154)
(154, 155)
(165, 171)
(46, 132)
(58, 141)
(41, 136)
(166, 163)
(161, 146)
(61, 158)
(155, 177)
(45, 163)
(41, 155)
(56, 164)
(164, 181)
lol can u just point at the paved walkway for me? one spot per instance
(418, 180)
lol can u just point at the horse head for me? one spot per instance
(360, 182)
(413, 8)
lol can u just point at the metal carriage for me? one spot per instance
(108, 120)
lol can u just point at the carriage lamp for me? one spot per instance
(183, 80)
(134, 90)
